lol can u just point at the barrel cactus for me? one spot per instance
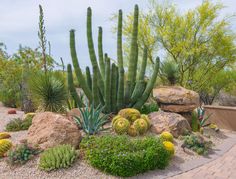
(146, 118)
(114, 119)
(132, 131)
(4, 135)
(141, 126)
(169, 146)
(5, 145)
(130, 113)
(121, 126)
(167, 136)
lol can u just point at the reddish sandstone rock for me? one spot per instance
(50, 129)
(11, 111)
(166, 121)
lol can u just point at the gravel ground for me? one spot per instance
(81, 169)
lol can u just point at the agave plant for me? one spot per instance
(91, 119)
(169, 70)
(49, 92)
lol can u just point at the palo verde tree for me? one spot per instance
(199, 41)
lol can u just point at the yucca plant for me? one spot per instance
(91, 119)
(169, 70)
(49, 92)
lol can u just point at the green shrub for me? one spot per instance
(149, 108)
(18, 124)
(21, 154)
(197, 144)
(122, 156)
(61, 156)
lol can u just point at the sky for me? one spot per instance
(19, 23)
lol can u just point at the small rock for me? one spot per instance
(11, 111)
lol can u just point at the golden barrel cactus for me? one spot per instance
(167, 136)
(5, 145)
(114, 119)
(141, 126)
(169, 146)
(4, 135)
(146, 118)
(121, 126)
(130, 113)
(132, 131)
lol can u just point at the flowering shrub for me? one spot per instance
(122, 156)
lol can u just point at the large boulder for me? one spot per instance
(176, 99)
(166, 121)
(50, 129)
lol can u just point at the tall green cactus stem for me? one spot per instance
(140, 84)
(107, 85)
(114, 79)
(100, 53)
(132, 67)
(95, 87)
(71, 87)
(149, 87)
(120, 95)
(88, 78)
(92, 54)
(78, 71)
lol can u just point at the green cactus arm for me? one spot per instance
(140, 84)
(149, 86)
(88, 78)
(77, 68)
(107, 85)
(132, 67)
(100, 52)
(143, 65)
(114, 78)
(95, 87)
(92, 54)
(71, 87)
(120, 95)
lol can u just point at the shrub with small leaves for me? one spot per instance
(61, 156)
(124, 156)
(149, 108)
(20, 154)
(197, 143)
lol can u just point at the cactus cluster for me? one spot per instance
(61, 156)
(130, 121)
(107, 85)
(5, 145)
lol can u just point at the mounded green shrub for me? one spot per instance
(61, 156)
(124, 156)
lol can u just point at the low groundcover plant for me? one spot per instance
(123, 156)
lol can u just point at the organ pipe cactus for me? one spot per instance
(110, 88)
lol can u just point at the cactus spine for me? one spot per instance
(71, 87)
(108, 82)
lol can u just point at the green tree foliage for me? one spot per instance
(199, 40)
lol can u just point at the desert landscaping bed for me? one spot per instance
(82, 170)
